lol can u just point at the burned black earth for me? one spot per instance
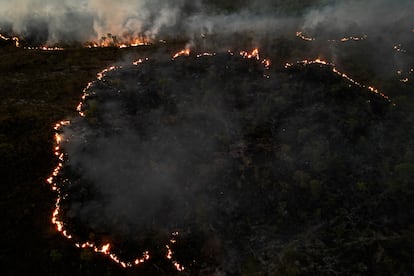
(253, 168)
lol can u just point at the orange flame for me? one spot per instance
(170, 253)
(185, 52)
(343, 75)
(124, 42)
(253, 54)
(60, 225)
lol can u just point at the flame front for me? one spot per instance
(185, 52)
(110, 41)
(343, 75)
(105, 249)
(123, 42)
(170, 253)
(302, 36)
(252, 54)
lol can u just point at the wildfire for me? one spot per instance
(4, 37)
(350, 38)
(58, 140)
(185, 52)
(45, 48)
(302, 36)
(139, 61)
(14, 38)
(343, 75)
(114, 41)
(106, 248)
(170, 253)
(398, 48)
(404, 76)
(206, 54)
(253, 54)
(60, 226)
(107, 41)
(100, 75)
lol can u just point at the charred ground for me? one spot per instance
(261, 171)
(331, 165)
(38, 89)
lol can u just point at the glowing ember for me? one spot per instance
(45, 48)
(4, 37)
(303, 37)
(14, 38)
(398, 48)
(266, 63)
(350, 38)
(170, 253)
(253, 54)
(99, 76)
(60, 226)
(16, 41)
(139, 61)
(206, 55)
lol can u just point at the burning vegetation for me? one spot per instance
(213, 159)
(170, 159)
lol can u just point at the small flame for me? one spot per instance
(16, 41)
(139, 61)
(253, 54)
(185, 52)
(170, 253)
(4, 37)
(14, 38)
(398, 48)
(303, 37)
(206, 54)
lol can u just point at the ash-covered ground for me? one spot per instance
(259, 171)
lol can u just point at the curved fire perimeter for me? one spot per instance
(187, 159)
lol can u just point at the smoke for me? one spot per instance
(213, 149)
(262, 21)
(158, 157)
(81, 20)
(215, 26)
(148, 155)
(367, 15)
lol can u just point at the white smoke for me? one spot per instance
(83, 20)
